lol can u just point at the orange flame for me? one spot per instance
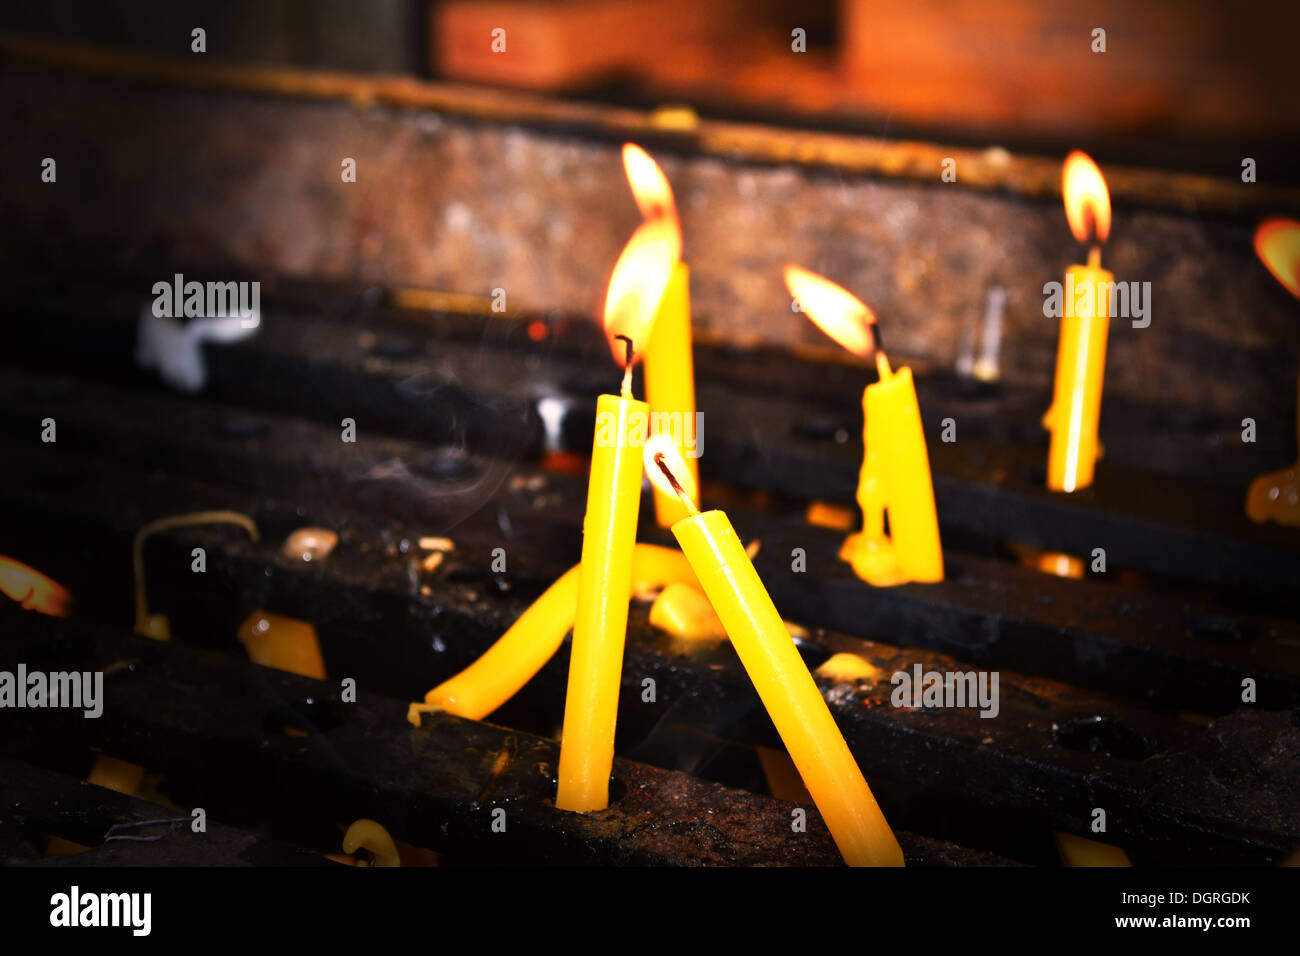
(1277, 243)
(32, 589)
(663, 446)
(636, 286)
(653, 194)
(1087, 200)
(834, 310)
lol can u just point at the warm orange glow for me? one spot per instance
(637, 284)
(663, 447)
(836, 311)
(1087, 200)
(33, 590)
(1277, 243)
(653, 194)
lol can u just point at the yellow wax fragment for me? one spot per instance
(683, 611)
(372, 836)
(825, 515)
(675, 117)
(116, 775)
(849, 667)
(782, 775)
(284, 643)
(1275, 496)
(33, 590)
(1079, 851)
(309, 544)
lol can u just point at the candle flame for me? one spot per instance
(1277, 243)
(33, 590)
(1087, 200)
(636, 286)
(834, 310)
(662, 459)
(653, 194)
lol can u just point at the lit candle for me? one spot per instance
(609, 533)
(1276, 495)
(1085, 321)
(895, 476)
(772, 661)
(667, 359)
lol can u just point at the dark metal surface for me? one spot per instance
(119, 830)
(1190, 651)
(449, 442)
(378, 627)
(217, 721)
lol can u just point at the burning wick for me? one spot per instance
(626, 390)
(661, 461)
(882, 360)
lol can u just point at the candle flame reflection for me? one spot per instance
(665, 467)
(653, 194)
(33, 590)
(834, 310)
(1087, 200)
(1277, 243)
(637, 284)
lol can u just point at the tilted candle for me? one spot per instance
(895, 475)
(1276, 495)
(787, 690)
(667, 359)
(1085, 321)
(534, 638)
(609, 534)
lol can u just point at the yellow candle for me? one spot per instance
(787, 690)
(670, 384)
(534, 638)
(604, 590)
(669, 367)
(1085, 321)
(609, 530)
(284, 643)
(895, 477)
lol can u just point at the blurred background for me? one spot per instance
(1191, 84)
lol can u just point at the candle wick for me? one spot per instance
(882, 366)
(662, 463)
(1094, 256)
(627, 365)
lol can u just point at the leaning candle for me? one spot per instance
(1276, 494)
(895, 476)
(667, 359)
(769, 656)
(534, 638)
(1085, 321)
(609, 534)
